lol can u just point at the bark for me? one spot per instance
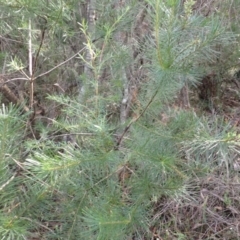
(184, 97)
(132, 74)
(91, 18)
(11, 97)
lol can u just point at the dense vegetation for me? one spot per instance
(119, 119)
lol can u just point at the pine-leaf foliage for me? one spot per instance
(73, 182)
(12, 127)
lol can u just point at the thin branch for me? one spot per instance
(38, 223)
(30, 59)
(39, 49)
(59, 65)
(133, 121)
(12, 80)
(30, 174)
(9, 39)
(5, 184)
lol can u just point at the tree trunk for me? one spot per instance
(88, 74)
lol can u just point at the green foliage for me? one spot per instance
(12, 228)
(215, 143)
(11, 134)
(73, 181)
(182, 46)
